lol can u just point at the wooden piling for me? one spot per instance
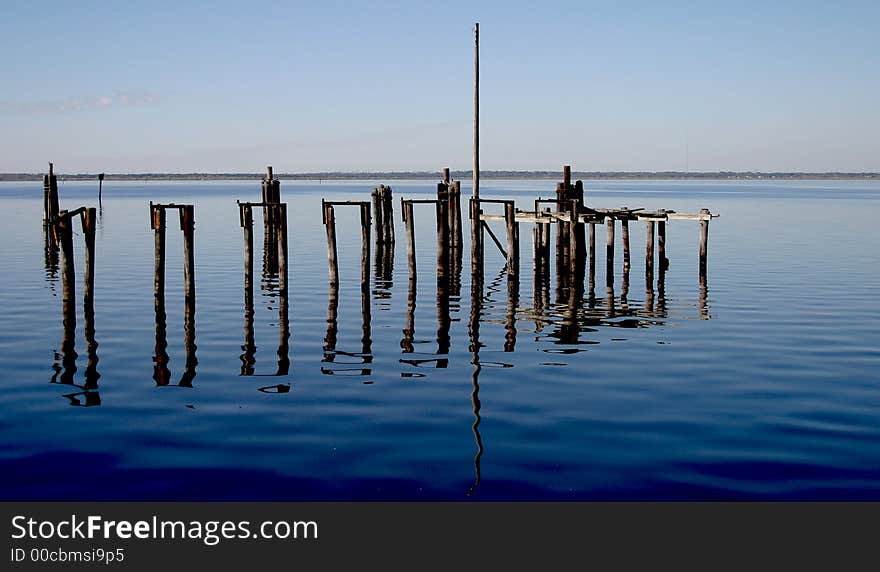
(561, 228)
(68, 273)
(187, 224)
(158, 223)
(442, 212)
(512, 238)
(624, 235)
(246, 215)
(592, 240)
(661, 245)
(476, 238)
(330, 226)
(649, 254)
(446, 178)
(89, 220)
(47, 219)
(455, 217)
(572, 239)
(609, 253)
(476, 170)
(100, 185)
(566, 176)
(365, 244)
(378, 211)
(410, 238)
(53, 193)
(580, 241)
(388, 217)
(704, 244)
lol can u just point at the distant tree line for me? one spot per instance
(463, 175)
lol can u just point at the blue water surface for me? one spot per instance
(763, 385)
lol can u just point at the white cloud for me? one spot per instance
(85, 103)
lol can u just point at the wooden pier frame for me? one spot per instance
(328, 217)
(511, 225)
(278, 214)
(441, 210)
(158, 217)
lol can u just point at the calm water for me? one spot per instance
(763, 387)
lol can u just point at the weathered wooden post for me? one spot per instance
(100, 185)
(89, 220)
(54, 209)
(592, 254)
(512, 237)
(624, 235)
(68, 274)
(455, 216)
(248, 359)
(661, 243)
(407, 214)
(365, 244)
(561, 228)
(649, 254)
(378, 212)
(704, 242)
(609, 253)
(579, 226)
(271, 195)
(572, 238)
(246, 219)
(406, 343)
(545, 246)
(157, 220)
(388, 219)
(330, 226)
(476, 238)
(187, 225)
(476, 171)
(442, 212)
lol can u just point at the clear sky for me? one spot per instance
(310, 86)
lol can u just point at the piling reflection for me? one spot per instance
(64, 368)
(474, 347)
(364, 357)
(444, 321)
(273, 284)
(161, 371)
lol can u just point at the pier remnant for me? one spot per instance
(187, 225)
(328, 217)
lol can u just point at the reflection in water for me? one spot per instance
(64, 368)
(475, 345)
(444, 322)
(365, 356)
(273, 284)
(161, 372)
(50, 254)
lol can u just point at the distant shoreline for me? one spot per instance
(462, 175)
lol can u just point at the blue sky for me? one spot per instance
(312, 86)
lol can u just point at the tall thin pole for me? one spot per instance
(476, 110)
